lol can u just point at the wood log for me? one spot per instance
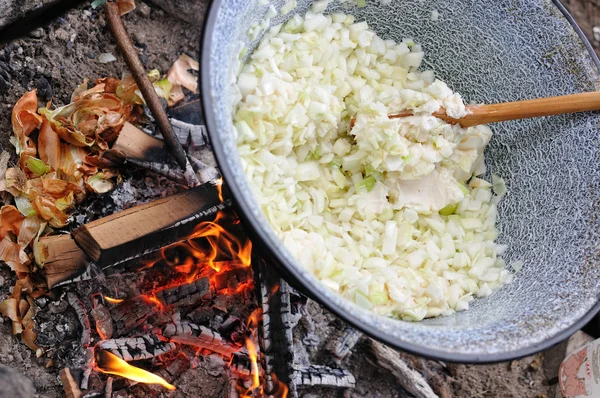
(131, 313)
(186, 294)
(86, 334)
(408, 378)
(146, 228)
(342, 346)
(318, 375)
(60, 258)
(133, 144)
(199, 336)
(137, 348)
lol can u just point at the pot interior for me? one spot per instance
(489, 51)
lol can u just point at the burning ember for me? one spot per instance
(111, 364)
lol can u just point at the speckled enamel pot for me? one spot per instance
(489, 51)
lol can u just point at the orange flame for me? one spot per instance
(221, 241)
(111, 364)
(112, 300)
(254, 364)
(280, 388)
(219, 185)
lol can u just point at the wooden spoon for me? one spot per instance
(484, 114)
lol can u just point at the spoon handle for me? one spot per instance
(490, 113)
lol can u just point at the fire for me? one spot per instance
(219, 185)
(112, 300)
(111, 364)
(254, 363)
(221, 241)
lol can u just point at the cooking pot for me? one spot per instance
(489, 51)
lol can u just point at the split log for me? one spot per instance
(60, 258)
(146, 228)
(144, 151)
(199, 336)
(86, 334)
(408, 378)
(186, 294)
(137, 348)
(131, 313)
(317, 375)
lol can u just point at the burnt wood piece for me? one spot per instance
(103, 319)
(276, 337)
(61, 259)
(86, 333)
(317, 375)
(133, 144)
(189, 134)
(341, 347)
(131, 313)
(201, 315)
(146, 228)
(232, 279)
(188, 112)
(187, 294)
(144, 151)
(137, 348)
(199, 336)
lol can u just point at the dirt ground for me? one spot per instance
(58, 58)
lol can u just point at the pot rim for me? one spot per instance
(253, 225)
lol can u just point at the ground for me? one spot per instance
(58, 58)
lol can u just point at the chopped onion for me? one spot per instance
(390, 213)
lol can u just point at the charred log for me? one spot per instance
(131, 313)
(86, 334)
(316, 375)
(341, 347)
(137, 348)
(187, 294)
(199, 336)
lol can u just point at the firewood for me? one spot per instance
(144, 151)
(341, 347)
(199, 336)
(103, 319)
(186, 294)
(146, 228)
(318, 375)
(137, 348)
(408, 378)
(61, 259)
(133, 144)
(131, 313)
(81, 312)
(69, 384)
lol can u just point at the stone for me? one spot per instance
(190, 11)
(143, 9)
(14, 385)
